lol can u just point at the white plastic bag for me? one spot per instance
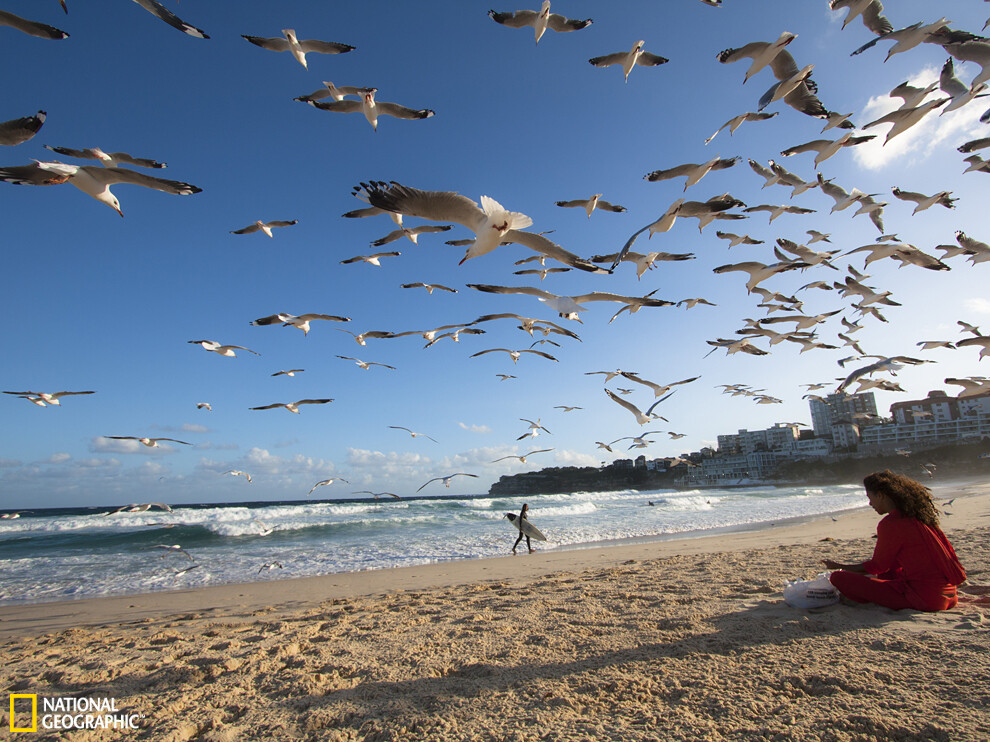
(816, 593)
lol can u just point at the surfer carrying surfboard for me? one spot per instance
(526, 529)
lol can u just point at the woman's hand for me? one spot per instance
(829, 564)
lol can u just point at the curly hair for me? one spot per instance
(912, 499)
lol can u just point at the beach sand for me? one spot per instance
(674, 640)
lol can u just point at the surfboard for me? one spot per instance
(526, 527)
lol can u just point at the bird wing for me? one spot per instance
(160, 11)
(783, 65)
(313, 401)
(32, 28)
(282, 223)
(816, 145)
(174, 440)
(568, 204)
(276, 45)
(557, 22)
(628, 405)
(646, 59)
(606, 206)
(339, 106)
(246, 230)
(539, 353)
(401, 112)
(673, 172)
(803, 100)
(17, 131)
(609, 59)
(517, 19)
(139, 161)
(531, 290)
(551, 249)
(438, 206)
(110, 175)
(324, 47)
(330, 317)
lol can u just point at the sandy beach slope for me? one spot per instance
(680, 640)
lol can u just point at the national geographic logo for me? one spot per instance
(68, 714)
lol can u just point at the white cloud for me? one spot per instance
(58, 458)
(10, 463)
(977, 305)
(101, 444)
(574, 458)
(475, 428)
(260, 463)
(193, 428)
(918, 142)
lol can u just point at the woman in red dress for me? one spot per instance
(913, 564)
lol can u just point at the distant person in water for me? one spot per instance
(519, 523)
(913, 563)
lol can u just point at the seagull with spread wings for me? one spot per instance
(92, 180)
(540, 20)
(324, 482)
(301, 321)
(18, 131)
(514, 354)
(292, 406)
(691, 171)
(522, 459)
(372, 108)
(446, 479)
(266, 227)
(42, 399)
(149, 442)
(298, 49)
(569, 306)
(107, 159)
(412, 433)
(366, 365)
(590, 204)
(223, 350)
(635, 56)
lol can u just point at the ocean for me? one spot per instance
(69, 553)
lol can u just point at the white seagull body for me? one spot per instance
(372, 109)
(266, 227)
(629, 59)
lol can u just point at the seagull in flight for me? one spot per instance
(411, 233)
(238, 473)
(761, 52)
(592, 203)
(641, 417)
(174, 549)
(107, 159)
(568, 307)
(324, 482)
(635, 56)
(446, 479)
(372, 259)
(31, 28)
(337, 92)
(827, 147)
(430, 287)
(204, 406)
(289, 372)
(514, 354)
(92, 180)
(47, 398)
(868, 10)
(377, 495)
(298, 49)
(540, 20)
(301, 321)
(266, 227)
(372, 108)
(223, 350)
(491, 223)
(411, 433)
(736, 121)
(522, 459)
(149, 442)
(923, 202)
(692, 172)
(292, 406)
(534, 429)
(366, 365)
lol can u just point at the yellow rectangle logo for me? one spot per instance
(34, 712)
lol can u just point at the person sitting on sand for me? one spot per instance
(522, 517)
(913, 564)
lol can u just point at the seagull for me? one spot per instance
(691, 303)
(530, 325)
(959, 94)
(629, 59)
(372, 108)
(891, 363)
(223, 350)
(641, 418)
(269, 566)
(982, 341)
(972, 386)
(149, 442)
(266, 227)
(639, 441)
(776, 210)
(292, 406)
(590, 204)
(804, 253)
(430, 287)
(174, 549)
(298, 48)
(735, 346)
(923, 202)
(360, 339)
(162, 13)
(238, 473)
(534, 429)
(693, 172)
(973, 145)
(907, 38)
(371, 259)
(32, 28)
(412, 234)
(522, 459)
(796, 83)
(376, 495)
(18, 131)
(505, 377)
(827, 147)
(337, 92)
(904, 118)
(92, 180)
(514, 354)
(736, 121)
(566, 408)
(301, 321)
(289, 372)
(366, 365)
(786, 177)
(568, 307)
(540, 20)
(491, 223)
(843, 199)
(107, 159)
(976, 164)
(840, 120)
(643, 262)
(265, 530)
(140, 508)
(868, 10)
(735, 239)
(411, 433)
(658, 389)
(541, 272)
(323, 482)
(47, 398)
(911, 95)
(446, 479)
(817, 236)
(761, 52)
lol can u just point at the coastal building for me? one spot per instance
(936, 420)
(840, 417)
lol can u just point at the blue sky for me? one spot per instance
(98, 302)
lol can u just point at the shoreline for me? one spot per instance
(239, 600)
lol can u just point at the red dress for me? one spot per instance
(915, 567)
